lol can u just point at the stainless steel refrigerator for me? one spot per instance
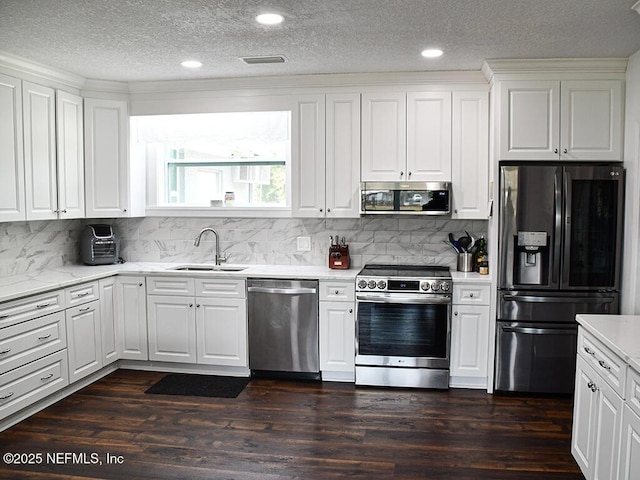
(560, 234)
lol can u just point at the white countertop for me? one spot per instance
(62, 277)
(620, 333)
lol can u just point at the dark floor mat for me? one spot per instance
(200, 385)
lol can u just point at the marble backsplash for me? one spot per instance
(32, 246)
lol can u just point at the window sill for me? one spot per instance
(270, 212)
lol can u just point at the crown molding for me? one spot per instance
(34, 70)
(553, 66)
(108, 88)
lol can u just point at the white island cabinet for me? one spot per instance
(605, 440)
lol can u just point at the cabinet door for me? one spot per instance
(172, 329)
(107, 180)
(470, 162)
(384, 142)
(629, 446)
(343, 155)
(84, 345)
(221, 326)
(308, 162)
(70, 142)
(40, 151)
(337, 340)
(529, 116)
(107, 289)
(596, 424)
(131, 318)
(591, 120)
(469, 345)
(11, 150)
(429, 136)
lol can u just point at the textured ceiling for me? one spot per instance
(137, 40)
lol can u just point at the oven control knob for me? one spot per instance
(444, 286)
(382, 284)
(372, 284)
(424, 286)
(435, 286)
(362, 283)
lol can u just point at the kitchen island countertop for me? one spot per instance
(620, 333)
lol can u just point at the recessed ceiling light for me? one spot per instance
(431, 53)
(191, 64)
(269, 18)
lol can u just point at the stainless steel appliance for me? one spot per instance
(414, 198)
(99, 245)
(560, 233)
(283, 327)
(403, 326)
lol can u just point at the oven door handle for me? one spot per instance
(549, 299)
(540, 331)
(421, 299)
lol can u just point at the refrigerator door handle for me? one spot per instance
(556, 253)
(540, 331)
(549, 299)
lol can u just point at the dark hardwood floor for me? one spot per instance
(294, 430)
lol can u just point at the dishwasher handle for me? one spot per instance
(283, 291)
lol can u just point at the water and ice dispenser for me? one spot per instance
(531, 262)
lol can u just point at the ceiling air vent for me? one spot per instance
(263, 59)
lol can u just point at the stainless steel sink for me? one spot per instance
(207, 268)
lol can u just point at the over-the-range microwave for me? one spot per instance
(409, 198)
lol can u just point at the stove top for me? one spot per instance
(427, 279)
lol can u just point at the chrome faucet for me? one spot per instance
(219, 258)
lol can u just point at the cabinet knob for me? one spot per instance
(555, 150)
(328, 210)
(409, 173)
(401, 174)
(64, 210)
(351, 310)
(565, 151)
(197, 305)
(455, 313)
(320, 209)
(140, 284)
(190, 305)
(471, 295)
(124, 210)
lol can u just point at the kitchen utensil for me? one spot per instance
(464, 243)
(473, 241)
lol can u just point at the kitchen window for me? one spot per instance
(215, 161)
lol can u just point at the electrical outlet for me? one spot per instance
(304, 244)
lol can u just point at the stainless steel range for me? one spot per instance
(403, 326)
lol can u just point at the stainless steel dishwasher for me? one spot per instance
(283, 328)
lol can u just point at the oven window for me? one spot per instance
(402, 330)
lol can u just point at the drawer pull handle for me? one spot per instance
(82, 294)
(44, 337)
(43, 305)
(592, 386)
(46, 377)
(85, 309)
(7, 396)
(6, 350)
(604, 365)
(589, 351)
(471, 295)
(337, 292)
(2, 317)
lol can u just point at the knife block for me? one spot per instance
(339, 257)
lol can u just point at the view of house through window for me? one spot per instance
(238, 159)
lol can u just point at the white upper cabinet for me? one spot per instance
(40, 151)
(114, 187)
(429, 136)
(70, 144)
(343, 155)
(553, 120)
(470, 155)
(384, 143)
(11, 150)
(326, 156)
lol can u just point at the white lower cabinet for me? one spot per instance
(107, 288)
(131, 318)
(207, 328)
(172, 328)
(629, 468)
(337, 331)
(84, 343)
(469, 335)
(221, 330)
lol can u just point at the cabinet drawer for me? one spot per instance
(26, 385)
(611, 367)
(170, 286)
(337, 291)
(27, 308)
(471, 294)
(633, 391)
(220, 287)
(79, 294)
(28, 341)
